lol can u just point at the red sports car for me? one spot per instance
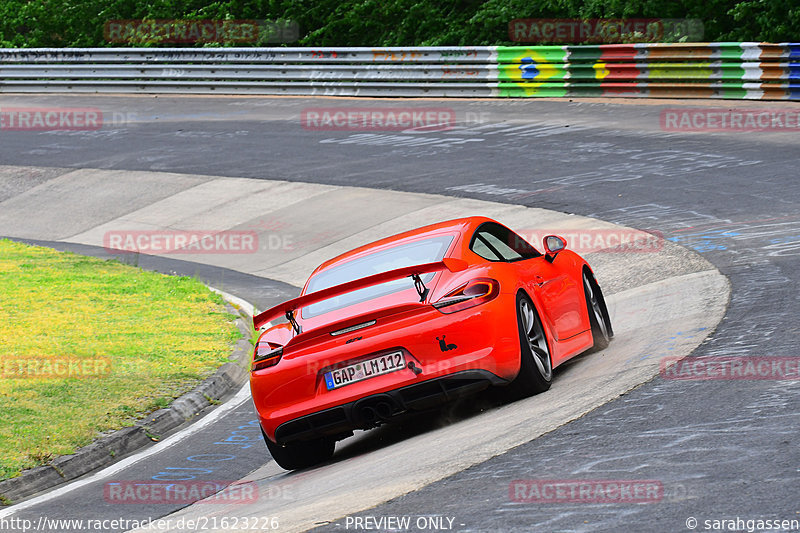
(412, 321)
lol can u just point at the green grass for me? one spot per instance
(160, 335)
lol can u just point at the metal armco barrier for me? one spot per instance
(687, 70)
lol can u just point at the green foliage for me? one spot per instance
(768, 20)
(79, 23)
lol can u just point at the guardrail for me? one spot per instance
(687, 70)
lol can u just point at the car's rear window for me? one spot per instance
(403, 255)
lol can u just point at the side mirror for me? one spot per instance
(552, 245)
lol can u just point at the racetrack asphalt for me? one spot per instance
(722, 449)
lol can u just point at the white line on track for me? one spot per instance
(245, 305)
(241, 396)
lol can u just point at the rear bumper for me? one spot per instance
(371, 410)
(485, 338)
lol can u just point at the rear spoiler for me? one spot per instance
(287, 309)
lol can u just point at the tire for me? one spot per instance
(602, 331)
(536, 366)
(301, 454)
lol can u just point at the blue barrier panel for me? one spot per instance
(793, 91)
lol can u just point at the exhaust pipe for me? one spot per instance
(384, 410)
(371, 411)
(369, 415)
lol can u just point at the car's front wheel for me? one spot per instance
(300, 454)
(536, 368)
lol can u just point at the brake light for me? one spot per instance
(472, 293)
(266, 355)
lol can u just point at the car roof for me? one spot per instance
(460, 225)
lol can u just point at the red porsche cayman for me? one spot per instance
(415, 320)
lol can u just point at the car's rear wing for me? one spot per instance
(287, 309)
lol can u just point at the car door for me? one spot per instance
(560, 296)
(548, 282)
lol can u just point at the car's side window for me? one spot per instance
(479, 247)
(498, 243)
(505, 251)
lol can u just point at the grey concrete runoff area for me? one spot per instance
(721, 282)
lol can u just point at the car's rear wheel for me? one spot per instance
(598, 313)
(536, 368)
(300, 454)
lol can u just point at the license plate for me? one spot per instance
(364, 370)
